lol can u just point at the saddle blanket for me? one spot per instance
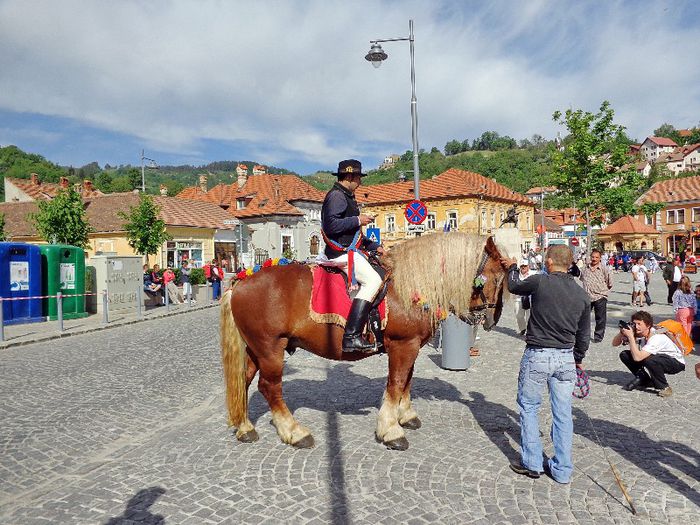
(330, 302)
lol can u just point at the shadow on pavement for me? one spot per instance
(137, 509)
(611, 377)
(336, 462)
(498, 422)
(656, 458)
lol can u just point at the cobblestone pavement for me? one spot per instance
(127, 426)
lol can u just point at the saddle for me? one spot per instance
(331, 300)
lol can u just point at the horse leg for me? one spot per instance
(408, 418)
(389, 430)
(270, 385)
(246, 432)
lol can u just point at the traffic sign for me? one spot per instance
(374, 235)
(541, 229)
(415, 228)
(415, 212)
(574, 241)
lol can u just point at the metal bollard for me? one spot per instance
(189, 297)
(2, 320)
(59, 310)
(167, 301)
(105, 307)
(210, 293)
(139, 300)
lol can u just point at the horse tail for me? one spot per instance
(233, 357)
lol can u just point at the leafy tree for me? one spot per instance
(144, 229)
(453, 147)
(668, 131)
(3, 237)
(589, 169)
(134, 176)
(62, 220)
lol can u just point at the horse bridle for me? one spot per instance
(477, 313)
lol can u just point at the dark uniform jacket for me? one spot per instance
(339, 220)
(560, 312)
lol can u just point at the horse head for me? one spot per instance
(486, 302)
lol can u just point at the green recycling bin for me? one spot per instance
(64, 271)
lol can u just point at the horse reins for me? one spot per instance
(479, 285)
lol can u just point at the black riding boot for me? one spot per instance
(357, 318)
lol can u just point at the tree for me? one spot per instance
(668, 131)
(2, 227)
(144, 229)
(63, 220)
(589, 169)
(134, 176)
(453, 147)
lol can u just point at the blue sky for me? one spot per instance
(285, 83)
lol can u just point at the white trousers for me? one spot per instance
(521, 315)
(369, 280)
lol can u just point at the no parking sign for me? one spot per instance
(415, 212)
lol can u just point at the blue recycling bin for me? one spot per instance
(20, 276)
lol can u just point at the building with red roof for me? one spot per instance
(629, 233)
(33, 189)
(653, 147)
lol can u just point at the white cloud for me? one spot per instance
(289, 78)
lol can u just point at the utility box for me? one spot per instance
(20, 277)
(63, 271)
(122, 277)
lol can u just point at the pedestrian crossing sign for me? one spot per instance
(373, 235)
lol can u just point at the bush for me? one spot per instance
(197, 276)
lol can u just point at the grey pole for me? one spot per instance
(414, 117)
(59, 309)
(189, 296)
(210, 293)
(2, 320)
(105, 307)
(143, 172)
(139, 300)
(167, 301)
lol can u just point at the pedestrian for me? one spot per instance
(672, 275)
(558, 334)
(695, 334)
(185, 272)
(170, 287)
(650, 356)
(215, 277)
(522, 302)
(597, 283)
(639, 281)
(685, 304)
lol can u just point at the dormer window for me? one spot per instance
(240, 204)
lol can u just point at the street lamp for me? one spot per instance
(152, 165)
(376, 56)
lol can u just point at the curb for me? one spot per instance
(124, 322)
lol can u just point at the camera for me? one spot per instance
(624, 325)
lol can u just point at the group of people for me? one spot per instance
(157, 283)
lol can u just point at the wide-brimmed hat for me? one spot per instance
(349, 167)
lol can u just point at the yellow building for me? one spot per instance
(191, 224)
(464, 200)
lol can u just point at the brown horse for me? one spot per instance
(268, 313)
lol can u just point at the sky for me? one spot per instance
(285, 83)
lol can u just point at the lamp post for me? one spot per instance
(376, 56)
(152, 165)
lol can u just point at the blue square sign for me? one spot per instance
(373, 235)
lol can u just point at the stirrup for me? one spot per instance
(357, 344)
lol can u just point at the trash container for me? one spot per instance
(457, 339)
(20, 276)
(64, 271)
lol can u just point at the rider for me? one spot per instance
(342, 230)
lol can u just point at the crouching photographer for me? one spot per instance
(651, 355)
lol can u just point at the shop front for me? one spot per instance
(178, 251)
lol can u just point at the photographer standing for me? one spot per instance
(558, 334)
(650, 356)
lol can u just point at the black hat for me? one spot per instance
(349, 167)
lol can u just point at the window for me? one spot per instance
(430, 221)
(696, 214)
(493, 219)
(314, 243)
(648, 220)
(452, 219)
(675, 216)
(287, 246)
(261, 256)
(390, 224)
(483, 221)
(528, 228)
(240, 204)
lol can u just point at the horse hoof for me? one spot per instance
(397, 444)
(412, 424)
(305, 442)
(248, 437)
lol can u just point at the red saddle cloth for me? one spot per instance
(330, 302)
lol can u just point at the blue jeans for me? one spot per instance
(216, 289)
(555, 368)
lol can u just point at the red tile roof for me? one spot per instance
(264, 194)
(672, 190)
(45, 191)
(562, 216)
(449, 184)
(662, 141)
(537, 190)
(627, 224)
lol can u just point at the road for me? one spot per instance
(128, 426)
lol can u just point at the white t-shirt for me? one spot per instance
(662, 344)
(638, 272)
(676, 274)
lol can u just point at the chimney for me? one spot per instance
(203, 183)
(87, 186)
(35, 179)
(64, 182)
(163, 190)
(242, 178)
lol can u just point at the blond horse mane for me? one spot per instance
(438, 268)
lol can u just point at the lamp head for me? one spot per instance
(376, 55)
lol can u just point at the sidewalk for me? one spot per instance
(23, 334)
